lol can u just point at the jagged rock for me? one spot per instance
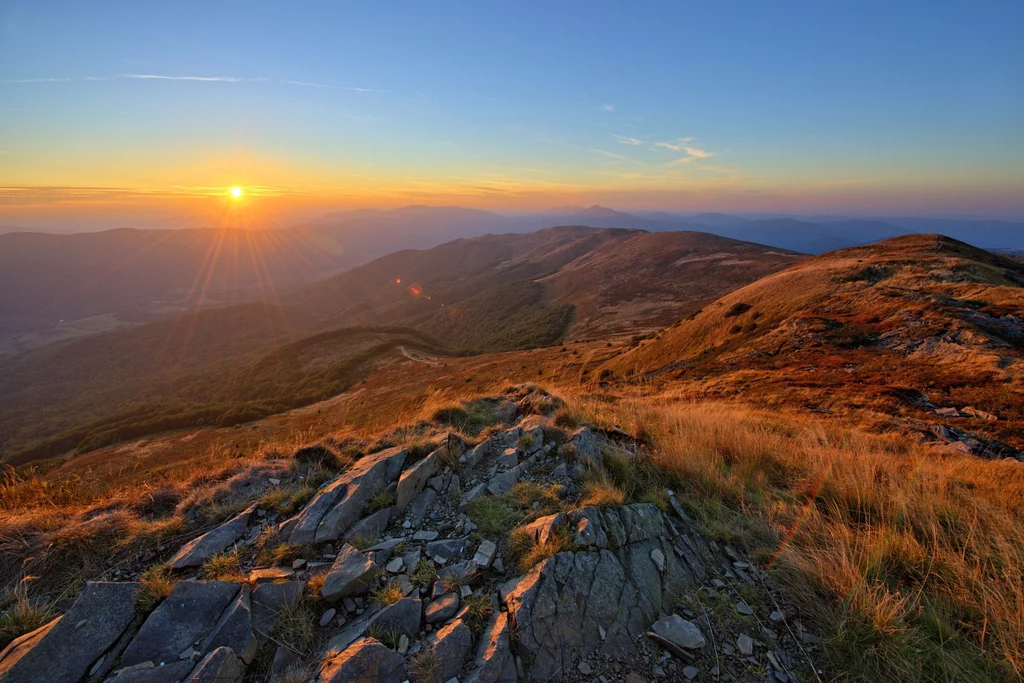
(503, 483)
(235, 630)
(540, 530)
(188, 614)
(463, 571)
(420, 504)
(478, 490)
(450, 646)
(199, 550)
(485, 553)
(680, 632)
(286, 665)
(609, 585)
(744, 609)
(163, 673)
(220, 666)
(442, 609)
(447, 548)
(268, 601)
(494, 662)
(745, 644)
(402, 617)
(340, 503)
(979, 414)
(585, 447)
(364, 660)
(474, 455)
(428, 535)
(370, 527)
(351, 573)
(381, 552)
(66, 648)
(415, 478)
(509, 458)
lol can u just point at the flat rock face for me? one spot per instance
(220, 666)
(364, 660)
(679, 631)
(70, 645)
(268, 601)
(351, 573)
(171, 672)
(199, 550)
(415, 478)
(235, 630)
(351, 490)
(604, 594)
(402, 617)
(494, 662)
(186, 617)
(451, 646)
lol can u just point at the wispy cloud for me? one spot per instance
(693, 154)
(37, 80)
(616, 157)
(676, 145)
(626, 140)
(308, 84)
(205, 79)
(607, 108)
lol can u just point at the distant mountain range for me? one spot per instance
(49, 278)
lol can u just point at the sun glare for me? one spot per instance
(236, 192)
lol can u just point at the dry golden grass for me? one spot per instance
(912, 560)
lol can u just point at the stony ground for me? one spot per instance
(507, 559)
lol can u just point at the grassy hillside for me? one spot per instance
(487, 294)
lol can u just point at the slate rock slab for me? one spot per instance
(364, 660)
(71, 644)
(168, 673)
(451, 646)
(494, 662)
(268, 601)
(679, 631)
(220, 666)
(199, 550)
(351, 573)
(234, 630)
(186, 617)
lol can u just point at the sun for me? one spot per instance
(236, 192)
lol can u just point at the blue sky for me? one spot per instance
(845, 106)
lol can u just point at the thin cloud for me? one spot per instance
(204, 79)
(626, 140)
(676, 145)
(694, 154)
(607, 108)
(308, 84)
(616, 157)
(37, 80)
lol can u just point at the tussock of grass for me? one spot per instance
(526, 553)
(424, 666)
(910, 560)
(478, 611)
(157, 584)
(498, 515)
(387, 595)
(601, 491)
(20, 617)
(223, 567)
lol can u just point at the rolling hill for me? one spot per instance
(484, 294)
(906, 327)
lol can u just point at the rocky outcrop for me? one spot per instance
(340, 503)
(183, 620)
(494, 662)
(605, 593)
(71, 646)
(198, 551)
(364, 660)
(351, 573)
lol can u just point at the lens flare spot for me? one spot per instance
(415, 290)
